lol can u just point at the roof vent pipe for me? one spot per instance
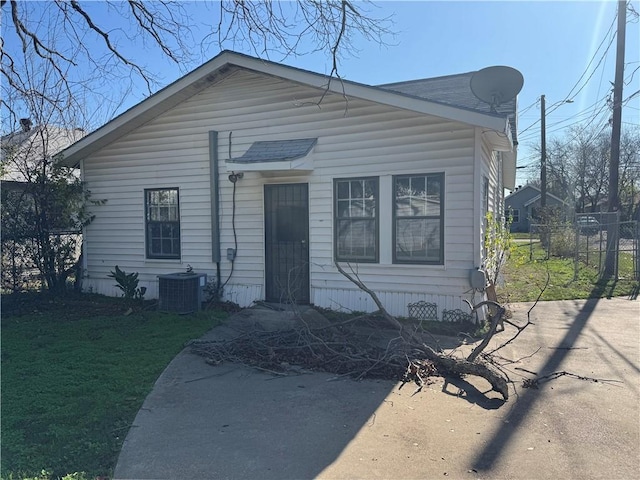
(26, 124)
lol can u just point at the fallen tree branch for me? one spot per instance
(340, 349)
(355, 279)
(442, 363)
(535, 382)
(521, 329)
(459, 367)
(495, 320)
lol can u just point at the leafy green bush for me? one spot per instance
(499, 247)
(128, 283)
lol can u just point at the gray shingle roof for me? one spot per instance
(277, 150)
(454, 90)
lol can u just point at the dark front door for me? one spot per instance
(286, 225)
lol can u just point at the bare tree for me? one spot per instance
(630, 174)
(578, 163)
(91, 47)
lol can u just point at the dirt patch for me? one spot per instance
(64, 307)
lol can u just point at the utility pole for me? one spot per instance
(543, 157)
(611, 262)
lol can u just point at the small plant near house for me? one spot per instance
(128, 283)
(213, 292)
(499, 247)
(213, 298)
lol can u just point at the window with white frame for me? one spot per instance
(356, 219)
(162, 219)
(418, 218)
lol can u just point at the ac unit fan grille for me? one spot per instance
(179, 295)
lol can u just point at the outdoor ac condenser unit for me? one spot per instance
(181, 292)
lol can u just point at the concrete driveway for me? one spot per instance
(233, 422)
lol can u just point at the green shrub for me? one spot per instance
(562, 241)
(128, 283)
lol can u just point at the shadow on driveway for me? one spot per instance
(233, 422)
(527, 399)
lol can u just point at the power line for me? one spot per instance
(591, 61)
(556, 105)
(526, 109)
(586, 111)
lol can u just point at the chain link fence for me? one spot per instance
(597, 239)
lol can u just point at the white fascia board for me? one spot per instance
(500, 140)
(533, 200)
(210, 72)
(509, 169)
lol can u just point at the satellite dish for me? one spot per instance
(496, 85)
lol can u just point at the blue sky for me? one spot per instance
(563, 49)
(559, 47)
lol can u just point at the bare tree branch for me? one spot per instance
(63, 34)
(353, 277)
(105, 36)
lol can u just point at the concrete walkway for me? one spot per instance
(233, 422)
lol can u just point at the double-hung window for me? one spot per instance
(418, 218)
(162, 219)
(356, 219)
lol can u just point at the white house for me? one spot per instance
(262, 176)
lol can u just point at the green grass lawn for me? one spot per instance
(526, 273)
(75, 373)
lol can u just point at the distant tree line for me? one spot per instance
(578, 170)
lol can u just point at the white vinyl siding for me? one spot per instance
(355, 138)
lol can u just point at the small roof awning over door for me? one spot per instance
(291, 156)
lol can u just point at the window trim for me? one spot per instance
(395, 218)
(148, 254)
(486, 195)
(336, 219)
(514, 213)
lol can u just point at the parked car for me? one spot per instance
(588, 225)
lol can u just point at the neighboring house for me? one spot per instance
(24, 150)
(523, 204)
(22, 154)
(262, 176)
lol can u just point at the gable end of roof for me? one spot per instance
(219, 67)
